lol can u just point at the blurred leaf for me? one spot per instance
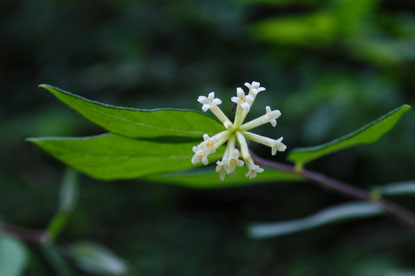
(209, 178)
(296, 30)
(352, 15)
(13, 256)
(110, 156)
(56, 260)
(330, 215)
(368, 134)
(96, 259)
(67, 203)
(141, 123)
(399, 188)
(69, 189)
(383, 51)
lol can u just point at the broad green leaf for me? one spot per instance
(334, 214)
(140, 123)
(13, 256)
(395, 189)
(111, 156)
(209, 178)
(96, 259)
(67, 203)
(368, 134)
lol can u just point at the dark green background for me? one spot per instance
(329, 66)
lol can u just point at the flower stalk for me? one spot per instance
(390, 207)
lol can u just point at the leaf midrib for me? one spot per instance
(119, 156)
(147, 125)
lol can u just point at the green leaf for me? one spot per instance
(368, 134)
(395, 189)
(334, 214)
(111, 156)
(140, 123)
(13, 256)
(67, 203)
(209, 178)
(96, 259)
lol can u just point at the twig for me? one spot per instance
(37, 236)
(392, 208)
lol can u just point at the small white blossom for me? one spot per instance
(253, 170)
(269, 117)
(275, 145)
(220, 168)
(272, 115)
(278, 146)
(237, 132)
(209, 101)
(208, 144)
(242, 100)
(233, 161)
(200, 156)
(254, 88)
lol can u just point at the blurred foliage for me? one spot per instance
(97, 260)
(13, 256)
(329, 66)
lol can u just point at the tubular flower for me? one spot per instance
(253, 170)
(209, 101)
(237, 132)
(243, 101)
(254, 88)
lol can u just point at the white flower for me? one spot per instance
(278, 146)
(275, 145)
(233, 161)
(220, 168)
(242, 100)
(200, 155)
(236, 132)
(209, 101)
(272, 115)
(208, 144)
(254, 88)
(253, 170)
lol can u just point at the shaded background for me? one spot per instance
(329, 66)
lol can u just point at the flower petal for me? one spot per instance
(202, 99)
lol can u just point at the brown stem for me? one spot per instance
(389, 206)
(30, 235)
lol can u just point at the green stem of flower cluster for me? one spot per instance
(392, 208)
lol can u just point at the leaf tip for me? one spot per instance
(43, 85)
(406, 107)
(47, 87)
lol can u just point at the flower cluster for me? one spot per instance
(238, 131)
